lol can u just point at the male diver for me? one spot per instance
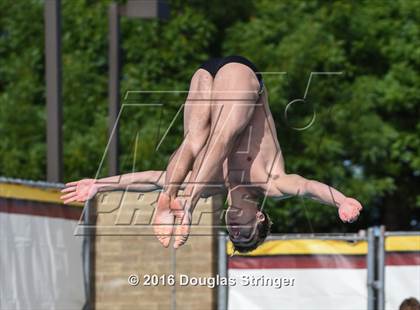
(230, 145)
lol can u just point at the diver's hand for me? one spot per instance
(79, 191)
(349, 210)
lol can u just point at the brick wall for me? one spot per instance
(124, 244)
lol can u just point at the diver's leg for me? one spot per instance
(196, 129)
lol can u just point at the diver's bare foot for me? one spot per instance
(183, 221)
(163, 220)
(349, 210)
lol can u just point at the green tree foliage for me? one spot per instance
(22, 119)
(366, 136)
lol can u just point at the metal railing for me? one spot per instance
(375, 260)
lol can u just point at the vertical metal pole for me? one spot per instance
(86, 253)
(371, 269)
(376, 268)
(53, 89)
(173, 288)
(113, 86)
(381, 268)
(222, 270)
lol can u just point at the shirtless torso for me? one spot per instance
(256, 158)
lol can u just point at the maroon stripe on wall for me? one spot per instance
(402, 259)
(318, 261)
(39, 209)
(298, 261)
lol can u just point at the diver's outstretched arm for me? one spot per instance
(295, 185)
(85, 189)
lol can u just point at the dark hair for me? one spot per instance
(410, 304)
(263, 228)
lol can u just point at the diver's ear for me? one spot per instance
(260, 216)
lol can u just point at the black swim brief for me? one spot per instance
(213, 65)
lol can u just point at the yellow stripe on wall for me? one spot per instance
(24, 192)
(306, 246)
(314, 247)
(402, 243)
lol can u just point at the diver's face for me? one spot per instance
(243, 214)
(242, 222)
